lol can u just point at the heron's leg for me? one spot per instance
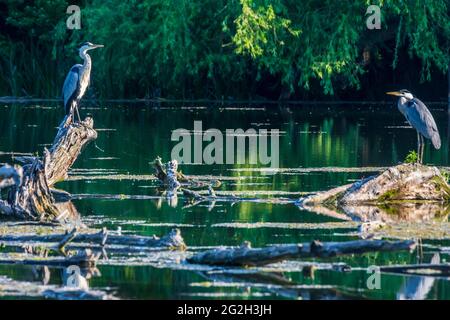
(78, 114)
(418, 147)
(422, 144)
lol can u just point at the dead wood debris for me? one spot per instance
(30, 196)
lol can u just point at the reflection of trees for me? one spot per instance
(312, 143)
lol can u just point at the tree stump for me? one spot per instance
(30, 197)
(66, 148)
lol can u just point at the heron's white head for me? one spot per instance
(402, 93)
(88, 46)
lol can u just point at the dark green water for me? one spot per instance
(325, 137)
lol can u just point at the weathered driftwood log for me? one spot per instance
(172, 240)
(84, 258)
(67, 146)
(174, 177)
(32, 198)
(66, 293)
(174, 181)
(391, 195)
(170, 177)
(247, 256)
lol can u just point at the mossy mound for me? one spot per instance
(403, 192)
(404, 182)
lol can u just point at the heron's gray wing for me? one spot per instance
(71, 84)
(422, 120)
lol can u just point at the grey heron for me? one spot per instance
(77, 80)
(420, 118)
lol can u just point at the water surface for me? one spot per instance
(320, 147)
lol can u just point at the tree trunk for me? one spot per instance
(66, 148)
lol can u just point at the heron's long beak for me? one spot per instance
(97, 46)
(394, 93)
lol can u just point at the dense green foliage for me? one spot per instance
(218, 48)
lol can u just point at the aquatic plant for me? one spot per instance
(411, 157)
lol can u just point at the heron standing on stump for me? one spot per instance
(77, 80)
(420, 118)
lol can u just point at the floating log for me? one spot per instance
(84, 258)
(66, 293)
(172, 240)
(247, 256)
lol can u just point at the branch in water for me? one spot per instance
(172, 240)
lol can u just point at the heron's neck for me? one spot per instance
(403, 104)
(87, 60)
(403, 100)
